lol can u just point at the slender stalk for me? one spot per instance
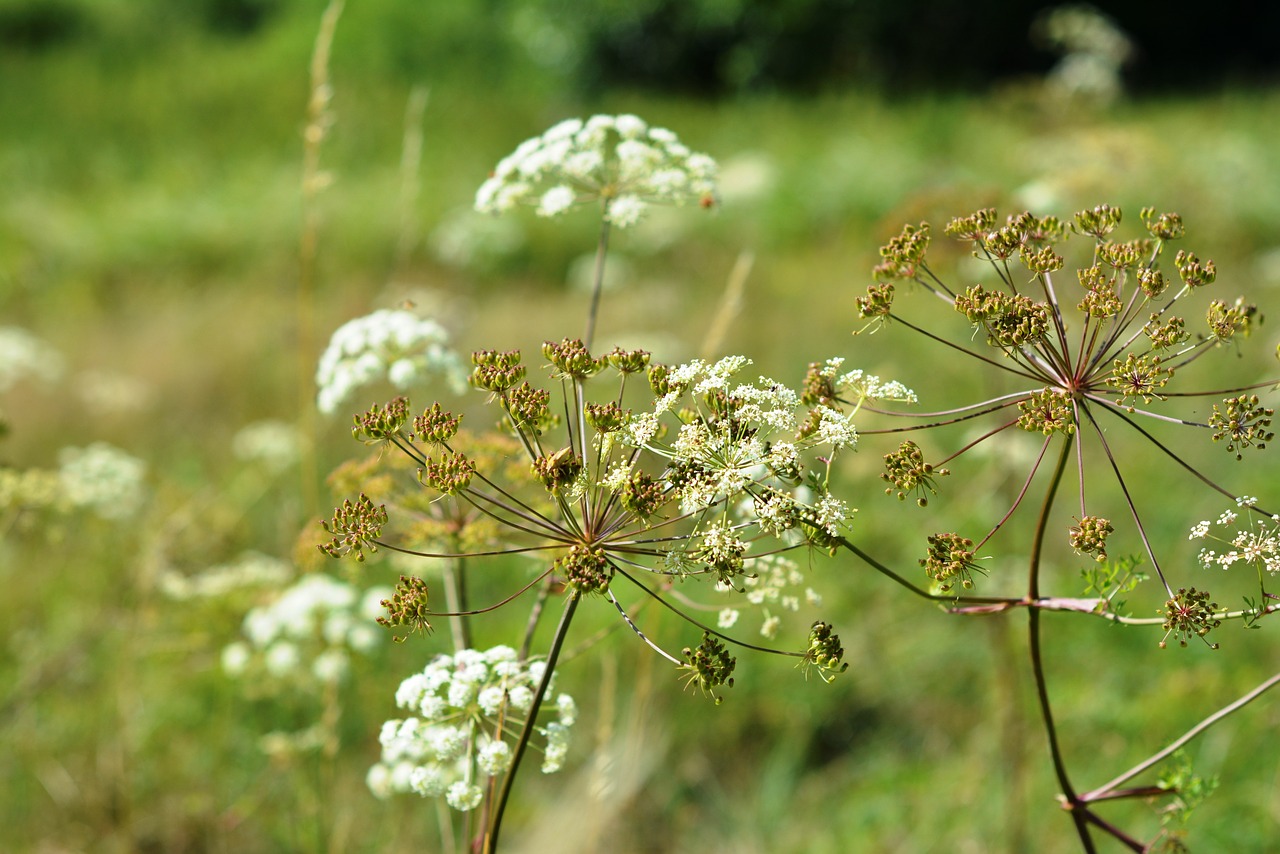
(410, 164)
(1102, 791)
(314, 181)
(730, 305)
(1017, 502)
(925, 594)
(455, 596)
(535, 616)
(562, 631)
(602, 252)
(1037, 659)
(1003, 366)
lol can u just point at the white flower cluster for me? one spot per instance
(391, 344)
(774, 583)
(463, 707)
(251, 569)
(103, 479)
(618, 160)
(24, 355)
(754, 442)
(1094, 50)
(307, 633)
(863, 386)
(1258, 544)
(274, 444)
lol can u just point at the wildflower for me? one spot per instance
(462, 710)
(1074, 373)
(1243, 422)
(306, 634)
(408, 606)
(709, 666)
(24, 355)
(273, 444)
(619, 162)
(249, 570)
(950, 558)
(682, 491)
(392, 345)
(103, 479)
(1188, 614)
(1089, 536)
(906, 470)
(1255, 543)
(825, 652)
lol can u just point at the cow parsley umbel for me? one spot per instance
(1094, 344)
(618, 164)
(628, 483)
(679, 485)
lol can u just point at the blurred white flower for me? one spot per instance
(469, 240)
(1094, 50)
(747, 177)
(251, 569)
(307, 633)
(617, 160)
(106, 393)
(25, 356)
(235, 658)
(274, 444)
(103, 479)
(392, 345)
(458, 703)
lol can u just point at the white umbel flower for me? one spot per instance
(618, 160)
(459, 702)
(392, 345)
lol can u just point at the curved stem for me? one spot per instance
(998, 601)
(562, 631)
(1017, 502)
(1078, 815)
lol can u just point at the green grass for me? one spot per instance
(149, 227)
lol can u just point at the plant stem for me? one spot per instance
(1103, 790)
(602, 251)
(562, 631)
(535, 615)
(455, 596)
(1037, 660)
(314, 180)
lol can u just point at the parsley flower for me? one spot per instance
(619, 161)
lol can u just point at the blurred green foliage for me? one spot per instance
(696, 46)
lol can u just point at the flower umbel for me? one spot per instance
(618, 161)
(709, 666)
(1113, 354)
(464, 711)
(355, 526)
(825, 652)
(1189, 614)
(408, 606)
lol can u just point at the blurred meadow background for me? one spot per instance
(162, 316)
